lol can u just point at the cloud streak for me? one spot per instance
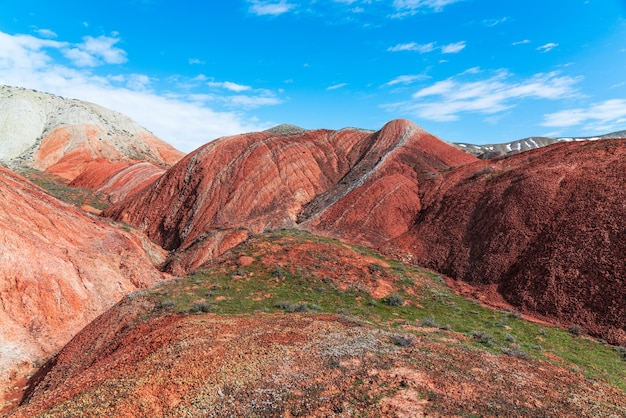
(405, 79)
(452, 48)
(270, 8)
(412, 7)
(547, 47)
(598, 117)
(445, 100)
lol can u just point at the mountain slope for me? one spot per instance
(215, 196)
(546, 227)
(60, 269)
(64, 137)
(489, 151)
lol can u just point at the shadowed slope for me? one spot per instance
(548, 227)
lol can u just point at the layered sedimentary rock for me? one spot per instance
(356, 184)
(65, 137)
(116, 181)
(60, 269)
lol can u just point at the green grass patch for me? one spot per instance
(59, 188)
(421, 301)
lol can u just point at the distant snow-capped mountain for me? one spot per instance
(489, 151)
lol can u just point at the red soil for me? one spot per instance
(546, 227)
(60, 269)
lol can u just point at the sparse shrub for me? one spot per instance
(167, 304)
(576, 330)
(202, 307)
(621, 351)
(279, 273)
(375, 268)
(516, 351)
(372, 302)
(209, 294)
(482, 337)
(137, 294)
(515, 314)
(509, 338)
(332, 363)
(543, 332)
(403, 340)
(284, 305)
(300, 307)
(429, 322)
(293, 307)
(393, 300)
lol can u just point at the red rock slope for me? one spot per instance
(547, 228)
(116, 181)
(60, 269)
(359, 185)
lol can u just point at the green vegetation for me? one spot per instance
(420, 303)
(59, 188)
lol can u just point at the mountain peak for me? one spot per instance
(61, 136)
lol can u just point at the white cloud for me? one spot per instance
(412, 46)
(336, 86)
(522, 42)
(185, 122)
(412, 7)
(95, 51)
(598, 117)
(196, 61)
(494, 22)
(229, 85)
(138, 82)
(446, 99)
(453, 48)
(46, 33)
(473, 70)
(271, 8)
(547, 47)
(406, 79)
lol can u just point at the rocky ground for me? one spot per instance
(257, 333)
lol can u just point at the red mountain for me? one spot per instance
(72, 138)
(542, 228)
(355, 184)
(547, 228)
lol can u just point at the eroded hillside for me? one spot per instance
(61, 268)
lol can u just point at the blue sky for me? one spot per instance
(480, 71)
